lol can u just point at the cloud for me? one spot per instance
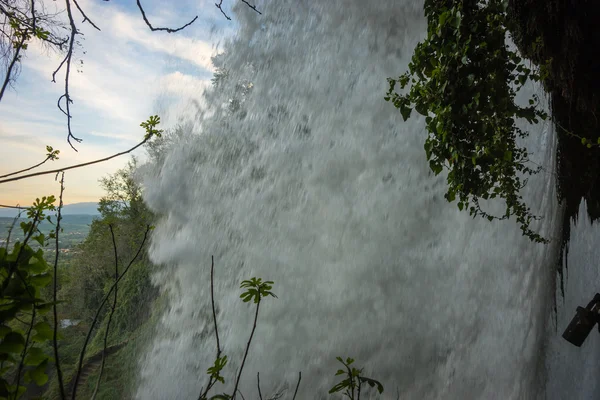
(127, 73)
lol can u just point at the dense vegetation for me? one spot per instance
(80, 318)
(464, 78)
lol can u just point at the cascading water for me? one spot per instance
(309, 178)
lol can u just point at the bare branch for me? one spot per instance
(12, 64)
(24, 353)
(15, 207)
(54, 171)
(212, 298)
(54, 290)
(104, 300)
(258, 384)
(85, 17)
(112, 311)
(26, 169)
(251, 6)
(237, 381)
(152, 28)
(211, 381)
(12, 225)
(220, 8)
(297, 385)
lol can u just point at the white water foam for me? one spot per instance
(317, 183)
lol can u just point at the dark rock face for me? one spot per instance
(567, 32)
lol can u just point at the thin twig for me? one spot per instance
(15, 207)
(55, 289)
(68, 58)
(220, 8)
(237, 381)
(212, 298)
(12, 64)
(33, 19)
(211, 381)
(251, 6)
(24, 353)
(297, 385)
(258, 384)
(26, 169)
(104, 300)
(170, 30)
(85, 17)
(112, 311)
(12, 226)
(54, 171)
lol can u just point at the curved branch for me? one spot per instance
(55, 171)
(251, 6)
(68, 100)
(25, 170)
(220, 8)
(152, 28)
(85, 17)
(104, 300)
(12, 64)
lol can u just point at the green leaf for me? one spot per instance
(43, 331)
(372, 383)
(405, 111)
(421, 109)
(13, 342)
(41, 280)
(35, 356)
(38, 374)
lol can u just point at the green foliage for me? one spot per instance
(150, 127)
(257, 290)
(24, 329)
(463, 79)
(215, 371)
(351, 386)
(52, 154)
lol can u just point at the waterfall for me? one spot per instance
(296, 170)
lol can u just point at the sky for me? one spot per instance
(128, 73)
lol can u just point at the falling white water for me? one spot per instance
(317, 183)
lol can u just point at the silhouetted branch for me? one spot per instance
(15, 207)
(258, 384)
(55, 290)
(27, 169)
(211, 381)
(251, 6)
(104, 300)
(54, 171)
(112, 311)
(12, 225)
(68, 58)
(24, 353)
(13, 63)
(219, 5)
(212, 298)
(297, 385)
(170, 30)
(237, 381)
(220, 8)
(85, 17)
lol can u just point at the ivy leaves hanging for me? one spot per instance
(464, 78)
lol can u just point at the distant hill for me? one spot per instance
(87, 208)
